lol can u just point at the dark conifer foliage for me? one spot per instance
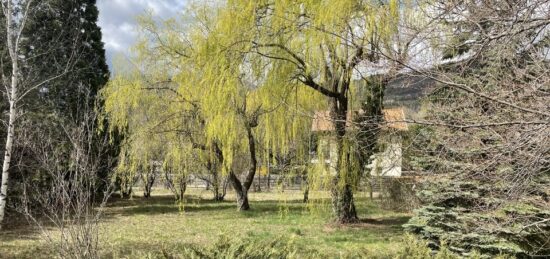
(64, 38)
(61, 47)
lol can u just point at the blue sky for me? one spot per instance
(117, 20)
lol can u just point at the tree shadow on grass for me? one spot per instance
(263, 207)
(22, 232)
(164, 204)
(20, 227)
(387, 221)
(34, 252)
(388, 225)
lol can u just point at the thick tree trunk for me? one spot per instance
(342, 191)
(242, 201)
(343, 204)
(242, 188)
(240, 191)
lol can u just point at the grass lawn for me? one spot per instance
(145, 228)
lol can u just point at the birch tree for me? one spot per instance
(15, 21)
(21, 76)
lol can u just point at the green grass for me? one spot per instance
(148, 227)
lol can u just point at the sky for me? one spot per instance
(117, 20)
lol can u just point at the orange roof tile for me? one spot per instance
(393, 117)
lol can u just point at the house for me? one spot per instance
(385, 163)
(402, 98)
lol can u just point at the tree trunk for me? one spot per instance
(12, 97)
(371, 188)
(306, 188)
(126, 193)
(215, 183)
(268, 177)
(215, 191)
(183, 187)
(149, 182)
(242, 201)
(225, 182)
(342, 191)
(7, 154)
(240, 191)
(259, 183)
(306, 194)
(343, 204)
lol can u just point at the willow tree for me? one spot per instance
(243, 104)
(188, 88)
(322, 46)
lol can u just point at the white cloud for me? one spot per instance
(117, 20)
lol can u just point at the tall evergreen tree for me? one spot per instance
(62, 67)
(64, 36)
(81, 57)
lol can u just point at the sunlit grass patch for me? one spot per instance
(158, 226)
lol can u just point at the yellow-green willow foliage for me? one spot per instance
(237, 91)
(316, 45)
(151, 118)
(192, 90)
(244, 66)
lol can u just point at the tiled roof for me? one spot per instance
(394, 118)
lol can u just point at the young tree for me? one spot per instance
(70, 157)
(15, 16)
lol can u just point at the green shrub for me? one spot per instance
(243, 248)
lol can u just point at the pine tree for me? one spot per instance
(64, 36)
(81, 54)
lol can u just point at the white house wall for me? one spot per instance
(388, 162)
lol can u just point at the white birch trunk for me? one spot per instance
(8, 151)
(12, 42)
